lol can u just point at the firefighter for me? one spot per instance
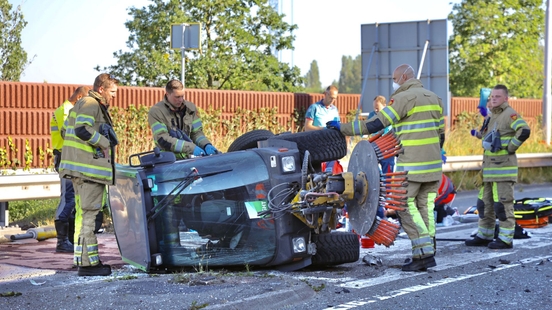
(417, 117)
(65, 217)
(88, 160)
(176, 125)
(505, 133)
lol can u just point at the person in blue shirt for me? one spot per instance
(316, 117)
(323, 111)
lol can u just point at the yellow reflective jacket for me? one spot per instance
(83, 144)
(162, 119)
(502, 165)
(56, 124)
(417, 117)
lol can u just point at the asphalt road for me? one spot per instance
(465, 199)
(465, 278)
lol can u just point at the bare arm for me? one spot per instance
(310, 127)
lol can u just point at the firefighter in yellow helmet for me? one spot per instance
(88, 160)
(65, 218)
(417, 117)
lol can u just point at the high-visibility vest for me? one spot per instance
(56, 123)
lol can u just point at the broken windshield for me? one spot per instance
(216, 215)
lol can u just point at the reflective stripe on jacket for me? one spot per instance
(83, 143)
(417, 117)
(161, 119)
(502, 165)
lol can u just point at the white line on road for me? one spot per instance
(333, 280)
(390, 275)
(417, 288)
(451, 261)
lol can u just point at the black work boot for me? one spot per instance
(476, 241)
(498, 244)
(63, 244)
(97, 270)
(419, 264)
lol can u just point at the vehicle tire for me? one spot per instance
(323, 145)
(249, 140)
(336, 248)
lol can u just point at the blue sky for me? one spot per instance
(61, 34)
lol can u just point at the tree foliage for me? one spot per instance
(350, 76)
(497, 42)
(236, 39)
(312, 79)
(13, 57)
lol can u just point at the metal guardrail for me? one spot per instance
(529, 160)
(46, 185)
(26, 186)
(29, 186)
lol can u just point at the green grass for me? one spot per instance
(38, 212)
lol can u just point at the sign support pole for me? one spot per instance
(183, 54)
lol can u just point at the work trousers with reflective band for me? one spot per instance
(418, 220)
(498, 200)
(89, 200)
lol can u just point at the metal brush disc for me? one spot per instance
(362, 209)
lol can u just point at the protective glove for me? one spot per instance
(473, 132)
(483, 111)
(443, 156)
(199, 151)
(210, 149)
(333, 125)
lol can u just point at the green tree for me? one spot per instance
(312, 79)
(236, 39)
(497, 42)
(13, 57)
(350, 76)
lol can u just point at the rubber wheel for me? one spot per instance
(336, 248)
(249, 140)
(323, 145)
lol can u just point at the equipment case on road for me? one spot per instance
(533, 212)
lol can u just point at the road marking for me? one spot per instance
(451, 261)
(417, 288)
(390, 275)
(333, 280)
